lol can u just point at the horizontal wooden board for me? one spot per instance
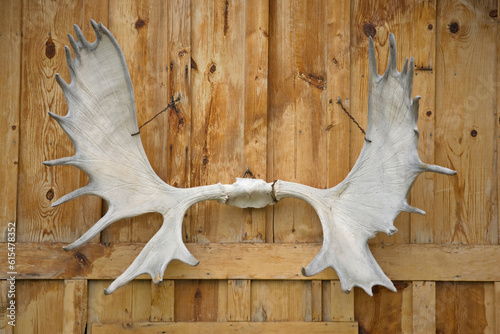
(400, 262)
(228, 327)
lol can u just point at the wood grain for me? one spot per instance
(127, 305)
(45, 28)
(41, 138)
(497, 119)
(464, 307)
(342, 304)
(384, 304)
(75, 306)
(231, 327)
(297, 100)
(162, 301)
(255, 124)
(424, 307)
(217, 140)
(316, 300)
(281, 301)
(5, 327)
(196, 300)
(10, 63)
(497, 306)
(238, 300)
(465, 123)
(38, 305)
(424, 51)
(407, 309)
(338, 64)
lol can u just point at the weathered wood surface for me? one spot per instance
(393, 307)
(10, 65)
(297, 100)
(75, 306)
(465, 123)
(244, 261)
(424, 307)
(41, 139)
(265, 105)
(465, 307)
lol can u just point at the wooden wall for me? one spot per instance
(259, 81)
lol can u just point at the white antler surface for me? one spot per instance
(102, 118)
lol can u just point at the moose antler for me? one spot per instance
(374, 193)
(102, 118)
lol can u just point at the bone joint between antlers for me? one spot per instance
(102, 116)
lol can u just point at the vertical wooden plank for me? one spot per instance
(162, 301)
(10, 63)
(131, 303)
(255, 125)
(342, 304)
(424, 307)
(384, 312)
(281, 301)
(377, 19)
(338, 64)
(238, 300)
(465, 123)
(497, 82)
(316, 300)
(222, 300)
(327, 301)
(497, 307)
(464, 307)
(298, 141)
(178, 67)
(75, 306)
(5, 312)
(490, 310)
(217, 78)
(196, 300)
(424, 51)
(37, 304)
(297, 106)
(45, 28)
(407, 310)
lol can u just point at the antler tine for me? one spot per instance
(393, 57)
(69, 60)
(74, 46)
(79, 35)
(438, 169)
(372, 61)
(405, 67)
(108, 219)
